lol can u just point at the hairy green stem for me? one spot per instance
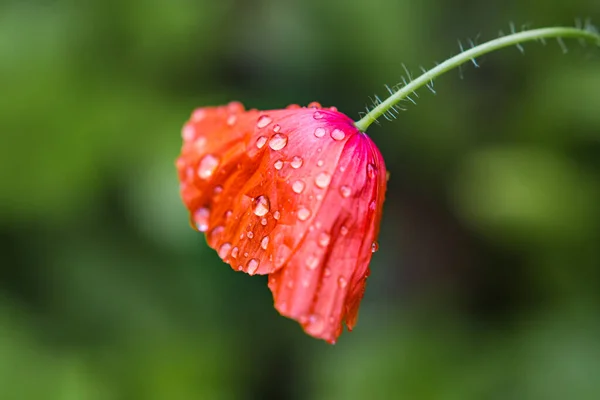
(470, 55)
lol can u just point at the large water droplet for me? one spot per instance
(207, 166)
(252, 266)
(345, 191)
(201, 217)
(338, 134)
(371, 171)
(312, 262)
(224, 250)
(261, 141)
(261, 205)
(234, 252)
(278, 141)
(303, 213)
(276, 215)
(298, 186)
(374, 247)
(263, 121)
(264, 242)
(296, 162)
(318, 115)
(316, 324)
(322, 180)
(320, 132)
(278, 165)
(324, 239)
(342, 282)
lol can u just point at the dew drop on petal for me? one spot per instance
(261, 141)
(252, 266)
(322, 180)
(198, 115)
(312, 262)
(263, 222)
(276, 215)
(338, 134)
(231, 120)
(296, 162)
(303, 213)
(314, 104)
(207, 167)
(343, 230)
(316, 324)
(240, 268)
(278, 165)
(345, 191)
(261, 205)
(318, 115)
(228, 214)
(342, 282)
(263, 121)
(374, 247)
(290, 284)
(278, 141)
(276, 128)
(298, 186)
(264, 242)
(201, 216)
(224, 250)
(372, 206)
(371, 171)
(319, 132)
(326, 272)
(234, 252)
(218, 189)
(324, 239)
(250, 235)
(188, 132)
(320, 163)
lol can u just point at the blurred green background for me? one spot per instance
(486, 285)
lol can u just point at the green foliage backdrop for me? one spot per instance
(487, 282)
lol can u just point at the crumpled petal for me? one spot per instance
(295, 193)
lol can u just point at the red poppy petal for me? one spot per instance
(324, 281)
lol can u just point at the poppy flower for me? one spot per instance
(295, 193)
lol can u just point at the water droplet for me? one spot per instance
(278, 165)
(371, 171)
(333, 108)
(278, 141)
(316, 324)
(326, 272)
(264, 242)
(216, 233)
(198, 115)
(263, 222)
(252, 266)
(322, 180)
(344, 230)
(276, 128)
(245, 254)
(320, 163)
(276, 215)
(263, 121)
(318, 115)
(374, 247)
(324, 239)
(338, 134)
(303, 213)
(345, 191)
(234, 252)
(314, 104)
(298, 186)
(372, 206)
(224, 250)
(228, 214)
(312, 262)
(250, 235)
(296, 162)
(201, 216)
(290, 284)
(261, 141)
(387, 176)
(342, 282)
(231, 120)
(261, 205)
(305, 283)
(188, 133)
(207, 167)
(218, 189)
(240, 268)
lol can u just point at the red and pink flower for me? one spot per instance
(296, 194)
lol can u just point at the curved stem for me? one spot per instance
(469, 55)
